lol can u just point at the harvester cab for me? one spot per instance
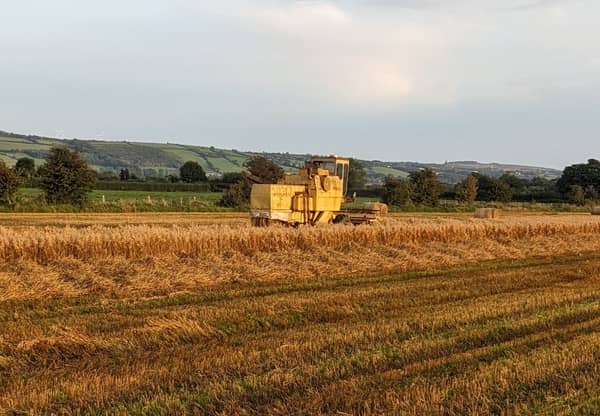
(331, 166)
(314, 195)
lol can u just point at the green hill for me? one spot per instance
(143, 159)
(161, 159)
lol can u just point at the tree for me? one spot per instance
(232, 177)
(397, 192)
(516, 184)
(466, 191)
(261, 169)
(66, 177)
(356, 175)
(577, 195)
(426, 187)
(591, 193)
(584, 175)
(192, 172)
(492, 189)
(486, 187)
(124, 175)
(237, 195)
(25, 167)
(503, 191)
(10, 181)
(264, 169)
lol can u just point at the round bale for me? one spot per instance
(377, 208)
(487, 213)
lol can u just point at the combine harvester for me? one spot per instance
(312, 196)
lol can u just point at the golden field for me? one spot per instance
(201, 314)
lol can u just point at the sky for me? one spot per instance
(423, 80)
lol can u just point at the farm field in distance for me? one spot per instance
(123, 201)
(198, 313)
(113, 195)
(30, 200)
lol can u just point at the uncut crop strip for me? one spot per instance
(466, 341)
(131, 278)
(44, 244)
(18, 219)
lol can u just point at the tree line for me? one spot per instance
(579, 185)
(67, 178)
(189, 172)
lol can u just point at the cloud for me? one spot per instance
(331, 55)
(406, 4)
(536, 4)
(330, 52)
(227, 72)
(301, 17)
(358, 55)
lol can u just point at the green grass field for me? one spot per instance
(382, 170)
(134, 195)
(223, 165)
(139, 201)
(31, 200)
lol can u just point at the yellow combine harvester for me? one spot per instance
(314, 195)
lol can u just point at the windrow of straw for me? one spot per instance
(138, 242)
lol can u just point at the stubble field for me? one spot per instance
(201, 314)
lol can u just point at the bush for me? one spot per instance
(25, 167)
(237, 196)
(426, 189)
(466, 191)
(10, 181)
(397, 192)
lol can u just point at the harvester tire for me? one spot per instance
(341, 219)
(260, 222)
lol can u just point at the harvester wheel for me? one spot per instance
(260, 222)
(341, 219)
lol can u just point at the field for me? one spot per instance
(124, 201)
(198, 313)
(31, 200)
(115, 195)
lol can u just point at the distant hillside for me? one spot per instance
(452, 172)
(161, 159)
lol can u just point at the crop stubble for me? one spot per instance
(417, 316)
